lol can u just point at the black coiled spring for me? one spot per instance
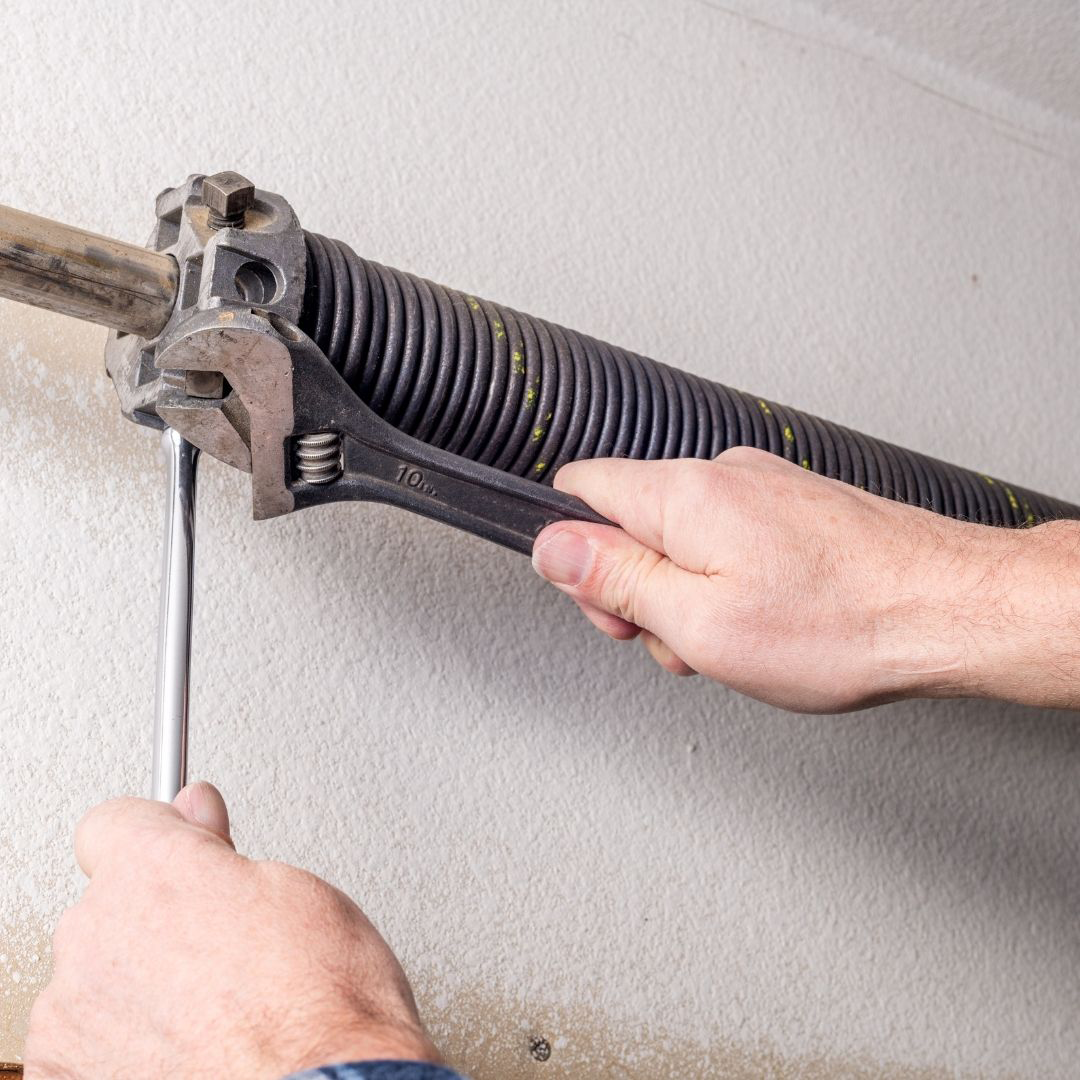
(527, 396)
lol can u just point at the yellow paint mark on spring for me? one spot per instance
(538, 433)
(473, 303)
(530, 396)
(540, 466)
(989, 480)
(789, 434)
(518, 360)
(500, 332)
(1012, 499)
(805, 463)
(764, 407)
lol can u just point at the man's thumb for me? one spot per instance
(202, 804)
(607, 568)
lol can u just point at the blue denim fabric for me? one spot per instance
(378, 1070)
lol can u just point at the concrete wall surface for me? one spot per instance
(662, 878)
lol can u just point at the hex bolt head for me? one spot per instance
(227, 196)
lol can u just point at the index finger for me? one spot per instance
(119, 825)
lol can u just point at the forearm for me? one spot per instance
(1008, 618)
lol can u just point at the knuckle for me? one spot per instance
(171, 852)
(299, 886)
(745, 456)
(297, 896)
(89, 820)
(274, 876)
(624, 579)
(695, 492)
(121, 805)
(107, 814)
(693, 477)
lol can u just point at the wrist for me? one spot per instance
(1027, 648)
(1000, 617)
(363, 1041)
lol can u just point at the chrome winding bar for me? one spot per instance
(174, 629)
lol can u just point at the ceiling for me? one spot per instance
(1030, 48)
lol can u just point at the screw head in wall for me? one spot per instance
(540, 1048)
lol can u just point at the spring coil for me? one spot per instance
(318, 457)
(526, 396)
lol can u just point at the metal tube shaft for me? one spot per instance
(174, 628)
(79, 273)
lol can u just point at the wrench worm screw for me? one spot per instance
(318, 457)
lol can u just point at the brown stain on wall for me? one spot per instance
(26, 951)
(489, 1038)
(59, 342)
(87, 431)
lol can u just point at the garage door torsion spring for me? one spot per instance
(527, 396)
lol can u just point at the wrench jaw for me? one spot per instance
(219, 426)
(262, 265)
(251, 425)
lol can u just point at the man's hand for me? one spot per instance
(811, 594)
(183, 958)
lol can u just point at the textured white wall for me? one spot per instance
(559, 839)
